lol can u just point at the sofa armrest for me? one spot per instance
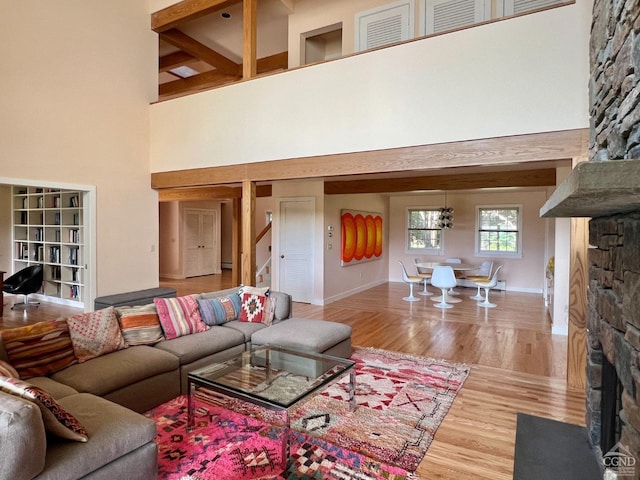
(23, 442)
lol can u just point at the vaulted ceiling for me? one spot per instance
(209, 43)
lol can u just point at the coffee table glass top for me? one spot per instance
(272, 376)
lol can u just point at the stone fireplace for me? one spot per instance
(607, 189)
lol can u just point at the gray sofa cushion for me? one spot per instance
(113, 430)
(23, 442)
(247, 328)
(190, 348)
(116, 370)
(303, 334)
(55, 389)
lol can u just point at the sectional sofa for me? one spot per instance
(106, 392)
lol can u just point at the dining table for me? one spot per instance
(457, 267)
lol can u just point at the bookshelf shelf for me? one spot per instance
(48, 229)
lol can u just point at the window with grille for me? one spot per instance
(499, 230)
(424, 234)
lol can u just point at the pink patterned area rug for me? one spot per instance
(401, 402)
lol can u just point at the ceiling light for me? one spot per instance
(184, 72)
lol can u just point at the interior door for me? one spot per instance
(296, 232)
(200, 252)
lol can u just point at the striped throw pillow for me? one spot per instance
(216, 311)
(39, 349)
(7, 370)
(179, 316)
(57, 421)
(140, 325)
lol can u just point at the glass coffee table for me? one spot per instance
(271, 377)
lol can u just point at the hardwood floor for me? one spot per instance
(517, 365)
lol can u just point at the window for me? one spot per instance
(423, 231)
(499, 230)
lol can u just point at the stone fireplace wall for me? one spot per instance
(614, 277)
(614, 320)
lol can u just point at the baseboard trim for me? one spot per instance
(348, 293)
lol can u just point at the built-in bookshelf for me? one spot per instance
(48, 229)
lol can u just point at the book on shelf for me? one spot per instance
(25, 202)
(55, 272)
(73, 256)
(54, 254)
(39, 253)
(74, 201)
(23, 218)
(75, 275)
(74, 236)
(39, 235)
(40, 202)
(57, 235)
(56, 218)
(76, 219)
(56, 202)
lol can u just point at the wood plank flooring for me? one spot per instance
(517, 365)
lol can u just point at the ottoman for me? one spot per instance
(306, 335)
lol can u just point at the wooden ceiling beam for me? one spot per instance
(184, 11)
(498, 151)
(465, 181)
(197, 83)
(249, 38)
(174, 60)
(278, 61)
(190, 45)
(208, 193)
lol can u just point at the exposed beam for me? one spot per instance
(236, 241)
(466, 181)
(190, 45)
(197, 83)
(185, 11)
(249, 38)
(208, 193)
(497, 151)
(277, 61)
(248, 233)
(174, 60)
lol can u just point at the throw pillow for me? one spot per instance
(57, 421)
(7, 370)
(39, 349)
(95, 333)
(179, 316)
(216, 311)
(140, 325)
(255, 306)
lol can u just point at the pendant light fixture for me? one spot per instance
(446, 215)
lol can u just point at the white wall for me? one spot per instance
(524, 274)
(341, 281)
(524, 75)
(76, 89)
(6, 248)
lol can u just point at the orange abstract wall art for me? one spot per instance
(361, 236)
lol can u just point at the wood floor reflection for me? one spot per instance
(517, 364)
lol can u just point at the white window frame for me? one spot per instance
(421, 251)
(485, 253)
(427, 7)
(404, 7)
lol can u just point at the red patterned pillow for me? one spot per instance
(39, 349)
(179, 316)
(57, 421)
(255, 306)
(7, 370)
(95, 333)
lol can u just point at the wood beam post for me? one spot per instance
(236, 241)
(578, 308)
(250, 43)
(248, 233)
